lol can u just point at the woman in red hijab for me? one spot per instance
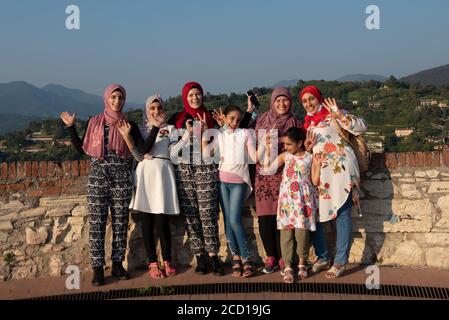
(339, 176)
(197, 185)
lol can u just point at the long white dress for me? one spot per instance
(154, 179)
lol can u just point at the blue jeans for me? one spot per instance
(344, 235)
(344, 232)
(231, 197)
(319, 242)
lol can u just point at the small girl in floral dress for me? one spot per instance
(297, 204)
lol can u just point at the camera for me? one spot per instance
(254, 100)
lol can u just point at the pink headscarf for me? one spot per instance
(284, 121)
(94, 140)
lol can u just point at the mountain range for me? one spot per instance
(21, 102)
(435, 76)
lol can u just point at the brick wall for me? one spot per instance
(56, 178)
(44, 178)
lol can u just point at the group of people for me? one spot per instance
(312, 181)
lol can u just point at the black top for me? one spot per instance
(144, 146)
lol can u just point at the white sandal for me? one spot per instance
(289, 277)
(335, 272)
(302, 273)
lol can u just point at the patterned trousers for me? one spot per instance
(109, 186)
(198, 200)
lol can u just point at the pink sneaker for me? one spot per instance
(281, 264)
(269, 265)
(170, 270)
(154, 271)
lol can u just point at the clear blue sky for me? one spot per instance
(227, 45)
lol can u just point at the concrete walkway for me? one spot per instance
(28, 288)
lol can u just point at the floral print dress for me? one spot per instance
(340, 170)
(297, 204)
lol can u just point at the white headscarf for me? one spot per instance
(145, 129)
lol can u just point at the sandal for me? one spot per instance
(248, 269)
(154, 271)
(170, 270)
(237, 268)
(302, 273)
(320, 265)
(335, 272)
(289, 277)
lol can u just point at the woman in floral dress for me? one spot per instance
(340, 176)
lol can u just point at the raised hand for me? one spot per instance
(159, 121)
(317, 159)
(219, 117)
(311, 139)
(268, 137)
(251, 106)
(331, 105)
(189, 126)
(156, 121)
(202, 119)
(68, 119)
(123, 127)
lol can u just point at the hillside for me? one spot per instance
(435, 76)
(25, 102)
(13, 122)
(361, 77)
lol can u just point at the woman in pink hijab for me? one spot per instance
(266, 188)
(109, 185)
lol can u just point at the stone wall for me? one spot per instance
(44, 228)
(405, 211)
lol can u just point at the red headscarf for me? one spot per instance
(94, 140)
(321, 113)
(188, 110)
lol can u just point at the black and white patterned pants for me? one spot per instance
(198, 200)
(109, 186)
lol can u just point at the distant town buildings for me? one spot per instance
(403, 132)
(375, 141)
(427, 102)
(38, 137)
(375, 146)
(374, 105)
(34, 149)
(432, 102)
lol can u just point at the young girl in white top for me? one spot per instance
(297, 204)
(236, 147)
